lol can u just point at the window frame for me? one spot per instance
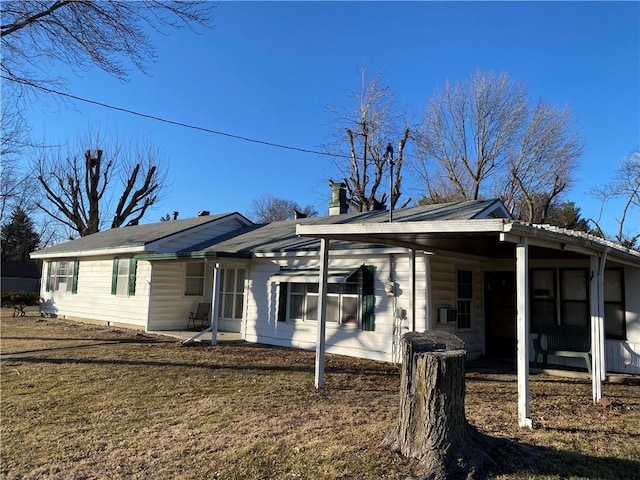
(565, 303)
(551, 298)
(117, 279)
(621, 302)
(303, 292)
(53, 280)
(190, 277)
(236, 293)
(461, 299)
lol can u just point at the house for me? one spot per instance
(464, 267)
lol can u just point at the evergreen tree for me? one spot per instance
(19, 237)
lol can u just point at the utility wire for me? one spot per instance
(172, 122)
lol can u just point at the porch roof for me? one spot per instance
(495, 238)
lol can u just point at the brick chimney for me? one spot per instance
(338, 204)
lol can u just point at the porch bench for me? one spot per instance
(563, 341)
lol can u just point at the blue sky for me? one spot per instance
(268, 70)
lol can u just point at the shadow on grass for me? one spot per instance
(103, 343)
(499, 456)
(481, 457)
(41, 358)
(512, 458)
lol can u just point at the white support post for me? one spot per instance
(427, 301)
(215, 304)
(598, 368)
(522, 302)
(322, 312)
(412, 280)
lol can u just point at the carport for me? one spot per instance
(488, 238)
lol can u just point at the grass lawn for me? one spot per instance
(128, 407)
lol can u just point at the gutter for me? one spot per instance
(188, 255)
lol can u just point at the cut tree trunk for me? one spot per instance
(432, 425)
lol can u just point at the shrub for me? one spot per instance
(19, 300)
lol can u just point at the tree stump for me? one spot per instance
(432, 425)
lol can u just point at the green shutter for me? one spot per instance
(368, 298)
(114, 277)
(47, 285)
(74, 281)
(132, 276)
(282, 302)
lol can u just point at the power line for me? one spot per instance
(172, 122)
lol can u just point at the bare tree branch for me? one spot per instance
(79, 191)
(370, 125)
(469, 130)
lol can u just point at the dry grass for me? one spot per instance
(241, 411)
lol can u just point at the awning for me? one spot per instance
(312, 275)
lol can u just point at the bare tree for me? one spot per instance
(624, 186)
(544, 163)
(15, 181)
(85, 33)
(112, 35)
(372, 129)
(81, 189)
(468, 133)
(268, 208)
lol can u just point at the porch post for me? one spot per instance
(522, 303)
(427, 276)
(322, 312)
(215, 303)
(412, 281)
(598, 369)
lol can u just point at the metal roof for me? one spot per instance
(282, 236)
(494, 238)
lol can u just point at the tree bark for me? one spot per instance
(432, 425)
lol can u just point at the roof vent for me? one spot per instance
(203, 213)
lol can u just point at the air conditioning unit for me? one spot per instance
(447, 314)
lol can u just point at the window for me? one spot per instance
(349, 303)
(574, 298)
(543, 298)
(303, 301)
(194, 279)
(62, 276)
(123, 279)
(464, 298)
(232, 292)
(614, 309)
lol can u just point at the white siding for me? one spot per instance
(444, 286)
(382, 343)
(169, 306)
(262, 304)
(94, 301)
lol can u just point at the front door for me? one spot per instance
(500, 314)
